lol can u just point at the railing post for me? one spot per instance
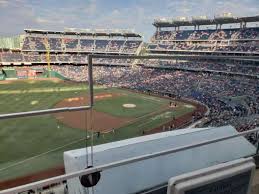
(257, 142)
(90, 79)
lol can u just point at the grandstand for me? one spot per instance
(69, 47)
(221, 40)
(219, 49)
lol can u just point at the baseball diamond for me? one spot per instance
(111, 118)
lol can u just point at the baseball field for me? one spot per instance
(33, 144)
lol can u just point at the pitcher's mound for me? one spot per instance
(129, 105)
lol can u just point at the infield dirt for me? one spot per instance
(82, 119)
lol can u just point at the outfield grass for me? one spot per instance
(27, 137)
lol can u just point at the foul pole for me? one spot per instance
(46, 43)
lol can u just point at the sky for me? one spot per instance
(16, 15)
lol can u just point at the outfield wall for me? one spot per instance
(58, 75)
(13, 73)
(2, 76)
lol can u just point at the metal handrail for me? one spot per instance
(58, 179)
(57, 110)
(43, 112)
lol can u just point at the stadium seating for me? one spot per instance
(79, 58)
(86, 44)
(101, 45)
(64, 48)
(55, 44)
(223, 34)
(74, 44)
(228, 40)
(34, 43)
(12, 57)
(231, 46)
(66, 58)
(131, 46)
(210, 66)
(32, 57)
(71, 44)
(115, 45)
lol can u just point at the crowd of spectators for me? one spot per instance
(32, 57)
(75, 73)
(226, 46)
(34, 43)
(14, 57)
(248, 69)
(68, 50)
(71, 44)
(227, 40)
(209, 34)
(85, 45)
(67, 58)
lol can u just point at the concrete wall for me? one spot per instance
(152, 172)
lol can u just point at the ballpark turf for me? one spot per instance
(30, 137)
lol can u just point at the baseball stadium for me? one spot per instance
(69, 99)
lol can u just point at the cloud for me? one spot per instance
(91, 7)
(3, 3)
(16, 15)
(46, 21)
